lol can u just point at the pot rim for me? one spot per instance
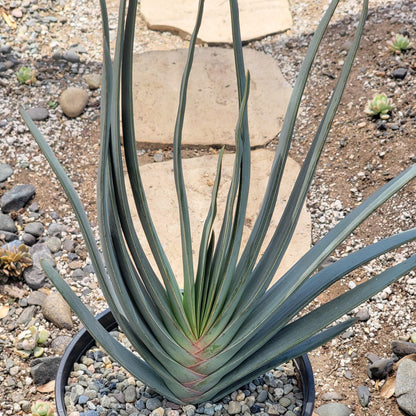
(83, 341)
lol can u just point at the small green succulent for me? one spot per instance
(380, 106)
(41, 408)
(399, 44)
(26, 75)
(13, 261)
(30, 341)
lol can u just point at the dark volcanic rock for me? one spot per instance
(34, 277)
(16, 198)
(44, 369)
(402, 348)
(7, 224)
(380, 369)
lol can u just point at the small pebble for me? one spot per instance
(71, 56)
(400, 73)
(363, 314)
(363, 394)
(38, 113)
(93, 81)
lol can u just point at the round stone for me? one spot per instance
(73, 101)
(261, 398)
(130, 394)
(57, 311)
(140, 405)
(234, 408)
(16, 198)
(68, 245)
(54, 244)
(153, 404)
(400, 73)
(56, 229)
(331, 409)
(363, 314)
(93, 81)
(28, 239)
(60, 343)
(35, 228)
(285, 402)
(5, 171)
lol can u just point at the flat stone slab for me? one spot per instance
(258, 18)
(405, 388)
(212, 109)
(199, 178)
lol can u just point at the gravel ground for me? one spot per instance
(47, 29)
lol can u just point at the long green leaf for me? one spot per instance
(130, 321)
(152, 328)
(317, 254)
(72, 195)
(229, 240)
(320, 281)
(204, 247)
(270, 260)
(309, 324)
(172, 288)
(188, 268)
(113, 288)
(228, 247)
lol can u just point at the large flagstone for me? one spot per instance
(199, 177)
(212, 109)
(258, 18)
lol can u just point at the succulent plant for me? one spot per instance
(226, 326)
(41, 408)
(26, 75)
(399, 44)
(380, 105)
(13, 261)
(30, 341)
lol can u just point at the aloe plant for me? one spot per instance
(227, 326)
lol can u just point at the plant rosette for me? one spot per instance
(399, 44)
(380, 106)
(31, 341)
(41, 408)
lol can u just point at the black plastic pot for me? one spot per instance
(83, 341)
